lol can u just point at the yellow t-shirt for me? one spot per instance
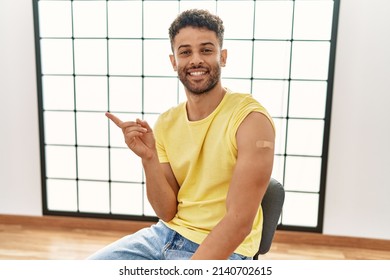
(202, 155)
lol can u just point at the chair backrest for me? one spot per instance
(272, 205)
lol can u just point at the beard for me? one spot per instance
(212, 78)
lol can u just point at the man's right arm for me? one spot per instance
(161, 188)
(161, 184)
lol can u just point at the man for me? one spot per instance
(208, 161)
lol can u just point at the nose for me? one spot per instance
(196, 59)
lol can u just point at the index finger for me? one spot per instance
(114, 118)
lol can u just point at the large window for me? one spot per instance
(98, 56)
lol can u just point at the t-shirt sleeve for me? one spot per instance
(246, 106)
(159, 136)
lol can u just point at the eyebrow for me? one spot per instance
(202, 44)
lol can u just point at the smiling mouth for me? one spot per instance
(198, 73)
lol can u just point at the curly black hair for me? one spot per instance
(197, 18)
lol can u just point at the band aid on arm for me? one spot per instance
(264, 144)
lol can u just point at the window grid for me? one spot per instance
(112, 147)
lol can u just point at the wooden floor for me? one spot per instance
(40, 238)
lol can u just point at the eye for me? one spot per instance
(207, 51)
(185, 52)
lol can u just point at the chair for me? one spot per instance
(272, 204)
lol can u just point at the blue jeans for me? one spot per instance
(157, 242)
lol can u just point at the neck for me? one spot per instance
(199, 106)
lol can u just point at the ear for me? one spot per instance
(173, 61)
(223, 58)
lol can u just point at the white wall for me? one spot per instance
(20, 191)
(358, 185)
(359, 158)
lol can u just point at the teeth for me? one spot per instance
(196, 73)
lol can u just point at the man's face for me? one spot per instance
(198, 59)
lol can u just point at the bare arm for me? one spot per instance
(255, 140)
(161, 188)
(161, 185)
